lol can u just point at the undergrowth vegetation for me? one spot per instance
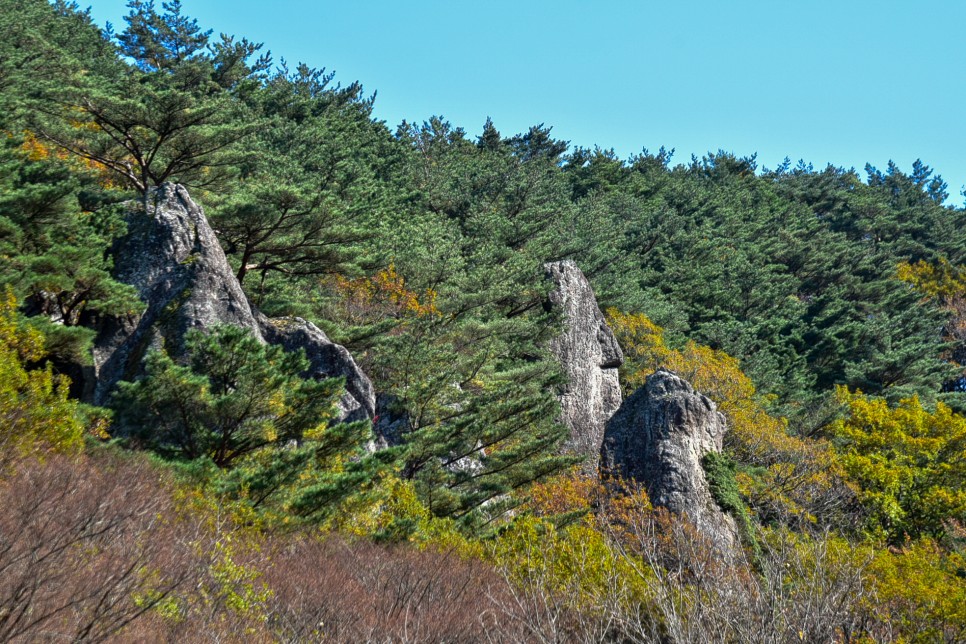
(218, 500)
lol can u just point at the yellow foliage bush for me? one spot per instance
(564, 494)
(920, 592)
(35, 412)
(383, 295)
(754, 434)
(940, 280)
(394, 512)
(909, 463)
(576, 565)
(790, 471)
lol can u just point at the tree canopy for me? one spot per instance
(822, 310)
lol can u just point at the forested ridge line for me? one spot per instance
(820, 309)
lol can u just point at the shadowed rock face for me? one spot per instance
(171, 256)
(658, 438)
(590, 356)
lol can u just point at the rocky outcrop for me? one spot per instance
(171, 256)
(326, 360)
(590, 356)
(658, 438)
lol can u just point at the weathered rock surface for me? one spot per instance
(658, 438)
(326, 360)
(589, 354)
(171, 256)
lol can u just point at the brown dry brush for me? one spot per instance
(677, 587)
(86, 548)
(545, 611)
(97, 549)
(343, 591)
(796, 589)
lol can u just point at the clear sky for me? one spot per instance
(840, 81)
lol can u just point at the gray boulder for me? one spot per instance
(590, 356)
(172, 257)
(326, 360)
(658, 438)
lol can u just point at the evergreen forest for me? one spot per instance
(217, 498)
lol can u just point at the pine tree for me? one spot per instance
(172, 117)
(241, 406)
(54, 229)
(312, 186)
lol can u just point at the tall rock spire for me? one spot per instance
(589, 354)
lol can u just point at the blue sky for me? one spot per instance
(846, 82)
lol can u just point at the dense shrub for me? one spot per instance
(89, 546)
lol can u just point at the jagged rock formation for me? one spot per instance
(589, 354)
(658, 438)
(326, 360)
(171, 256)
